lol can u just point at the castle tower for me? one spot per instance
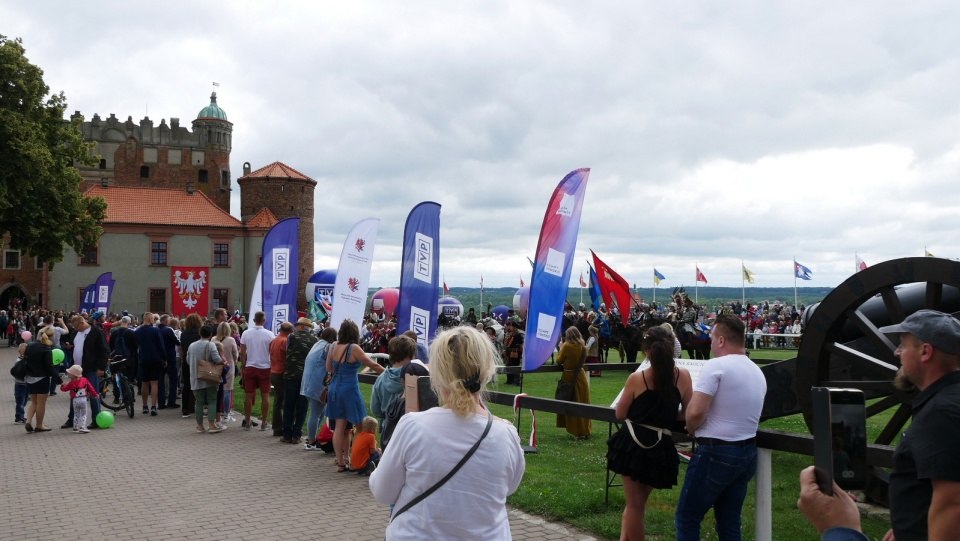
(287, 193)
(162, 156)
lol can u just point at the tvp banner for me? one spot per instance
(418, 275)
(104, 290)
(279, 273)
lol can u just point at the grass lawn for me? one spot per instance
(565, 480)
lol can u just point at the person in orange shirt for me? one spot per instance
(278, 363)
(365, 455)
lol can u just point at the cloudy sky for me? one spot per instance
(715, 131)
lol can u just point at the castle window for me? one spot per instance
(11, 259)
(158, 253)
(90, 255)
(144, 171)
(221, 254)
(103, 163)
(221, 298)
(158, 300)
(38, 264)
(224, 179)
(202, 176)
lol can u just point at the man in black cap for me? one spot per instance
(925, 483)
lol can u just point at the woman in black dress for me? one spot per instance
(642, 451)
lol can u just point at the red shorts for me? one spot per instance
(256, 378)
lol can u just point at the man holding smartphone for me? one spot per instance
(722, 416)
(925, 483)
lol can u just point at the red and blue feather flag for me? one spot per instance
(552, 267)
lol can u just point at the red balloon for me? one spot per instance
(385, 302)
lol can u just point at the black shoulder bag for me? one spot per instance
(447, 477)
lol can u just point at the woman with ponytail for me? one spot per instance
(427, 446)
(642, 451)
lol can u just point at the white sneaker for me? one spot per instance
(265, 427)
(84, 430)
(231, 419)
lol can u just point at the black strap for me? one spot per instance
(447, 477)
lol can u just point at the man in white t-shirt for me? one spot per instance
(722, 416)
(255, 356)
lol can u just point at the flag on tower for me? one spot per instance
(927, 254)
(700, 276)
(521, 283)
(657, 277)
(583, 283)
(801, 271)
(747, 275)
(446, 290)
(861, 265)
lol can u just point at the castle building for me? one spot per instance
(167, 190)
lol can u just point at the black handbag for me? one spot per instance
(565, 391)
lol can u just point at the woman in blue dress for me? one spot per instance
(344, 401)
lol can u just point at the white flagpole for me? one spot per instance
(696, 284)
(743, 286)
(795, 303)
(654, 286)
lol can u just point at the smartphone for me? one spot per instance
(839, 438)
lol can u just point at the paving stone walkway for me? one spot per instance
(143, 479)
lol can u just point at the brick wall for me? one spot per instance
(286, 198)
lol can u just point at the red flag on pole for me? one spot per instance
(521, 283)
(700, 276)
(446, 290)
(613, 288)
(582, 282)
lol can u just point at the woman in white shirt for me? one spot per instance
(427, 445)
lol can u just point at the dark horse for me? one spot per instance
(626, 339)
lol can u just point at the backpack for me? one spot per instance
(396, 409)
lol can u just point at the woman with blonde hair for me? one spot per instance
(38, 357)
(230, 355)
(572, 357)
(457, 456)
(677, 350)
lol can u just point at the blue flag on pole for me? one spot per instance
(419, 280)
(86, 304)
(279, 273)
(103, 291)
(657, 277)
(802, 272)
(553, 264)
(595, 296)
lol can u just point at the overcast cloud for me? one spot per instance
(716, 132)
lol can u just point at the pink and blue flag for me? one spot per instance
(552, 268)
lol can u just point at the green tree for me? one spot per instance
(41, 206)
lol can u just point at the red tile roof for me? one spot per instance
(263, 218)
(278, 170)
(161, 206)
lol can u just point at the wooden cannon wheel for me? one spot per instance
(842, 346)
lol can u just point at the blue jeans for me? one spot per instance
(716, 477)
(313, 420)
(21, 396)
(94, 402)
(168, 395)
(294, 409)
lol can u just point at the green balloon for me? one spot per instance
(57, 356)
(105, 419)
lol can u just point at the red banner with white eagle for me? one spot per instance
(190, 291)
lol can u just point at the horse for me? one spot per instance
(609, 338)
